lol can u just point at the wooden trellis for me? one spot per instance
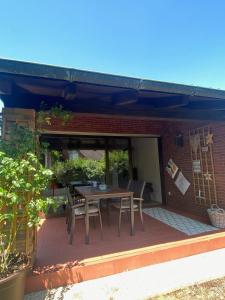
(201, 143)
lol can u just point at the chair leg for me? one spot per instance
(100, 221)
(72, 227)
(67, 215)
(69, 222)
(94, 221)
(141, 216)
(120, 216)
(128, 215)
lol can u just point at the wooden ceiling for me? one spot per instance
(27, 85)
(70, 142)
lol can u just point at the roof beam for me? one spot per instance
(38, 89)
(149, 111)
(207, 105)
(5, 87)
(69, 92)
(125, 98)
(169, 102)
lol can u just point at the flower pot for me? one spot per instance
(12, 287)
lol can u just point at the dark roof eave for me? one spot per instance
(73, 75)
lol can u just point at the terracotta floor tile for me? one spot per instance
(53, 246)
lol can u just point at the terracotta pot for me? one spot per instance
(12, 287)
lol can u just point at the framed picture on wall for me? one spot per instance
(171, 168)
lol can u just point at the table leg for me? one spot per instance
(132, 215)
(108, 211)
(86, 223)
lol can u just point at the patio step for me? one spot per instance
(124, 261)
(147, 282)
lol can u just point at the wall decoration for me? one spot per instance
(182, 183)
(209, 139)
(205, 148)
(200, 194)
(195, 142)
(179, 140)
(208, 176)
(196, 166)
(171, 168)
(201, 146)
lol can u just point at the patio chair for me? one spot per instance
(114, 203)
(77, 211)
(124, 205)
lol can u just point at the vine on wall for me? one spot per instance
(45, 116)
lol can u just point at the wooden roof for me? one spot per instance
(26, 85)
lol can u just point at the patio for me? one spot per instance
(59, 263)
(153, 122)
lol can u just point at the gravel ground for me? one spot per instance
(209, 290)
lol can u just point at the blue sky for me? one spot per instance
(168, 40)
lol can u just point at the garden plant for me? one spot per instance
(22, 180)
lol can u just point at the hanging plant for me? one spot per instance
(45, 116)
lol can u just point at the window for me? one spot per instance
(73, 154)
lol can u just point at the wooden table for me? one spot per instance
(90, 193)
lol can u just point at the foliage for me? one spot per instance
(119, 161)
(45, 115)
(94, 169)
(22, 182)
(83, 169)
(79, 169)
(56, 156)
(1, 123)
(22, 140)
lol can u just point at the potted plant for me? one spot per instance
(22, 182)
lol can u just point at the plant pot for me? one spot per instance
(12, 287)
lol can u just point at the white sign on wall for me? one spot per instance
(196, 164)
(182, 183)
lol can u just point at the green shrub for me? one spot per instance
(79, 169)
(22, 182)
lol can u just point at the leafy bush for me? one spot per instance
(79, 169)
(22, 140)
(22, 182)
(119, 161)
(82, 169)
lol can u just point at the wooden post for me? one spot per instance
(107, 165)
(130, 157)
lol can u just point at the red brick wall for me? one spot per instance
(96, 124)
(182, 157)
(168, 131)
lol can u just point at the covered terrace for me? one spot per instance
(155, 118)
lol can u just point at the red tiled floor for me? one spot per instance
(53, 247)
(78, 262)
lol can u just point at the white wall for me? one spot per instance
(146, 160)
